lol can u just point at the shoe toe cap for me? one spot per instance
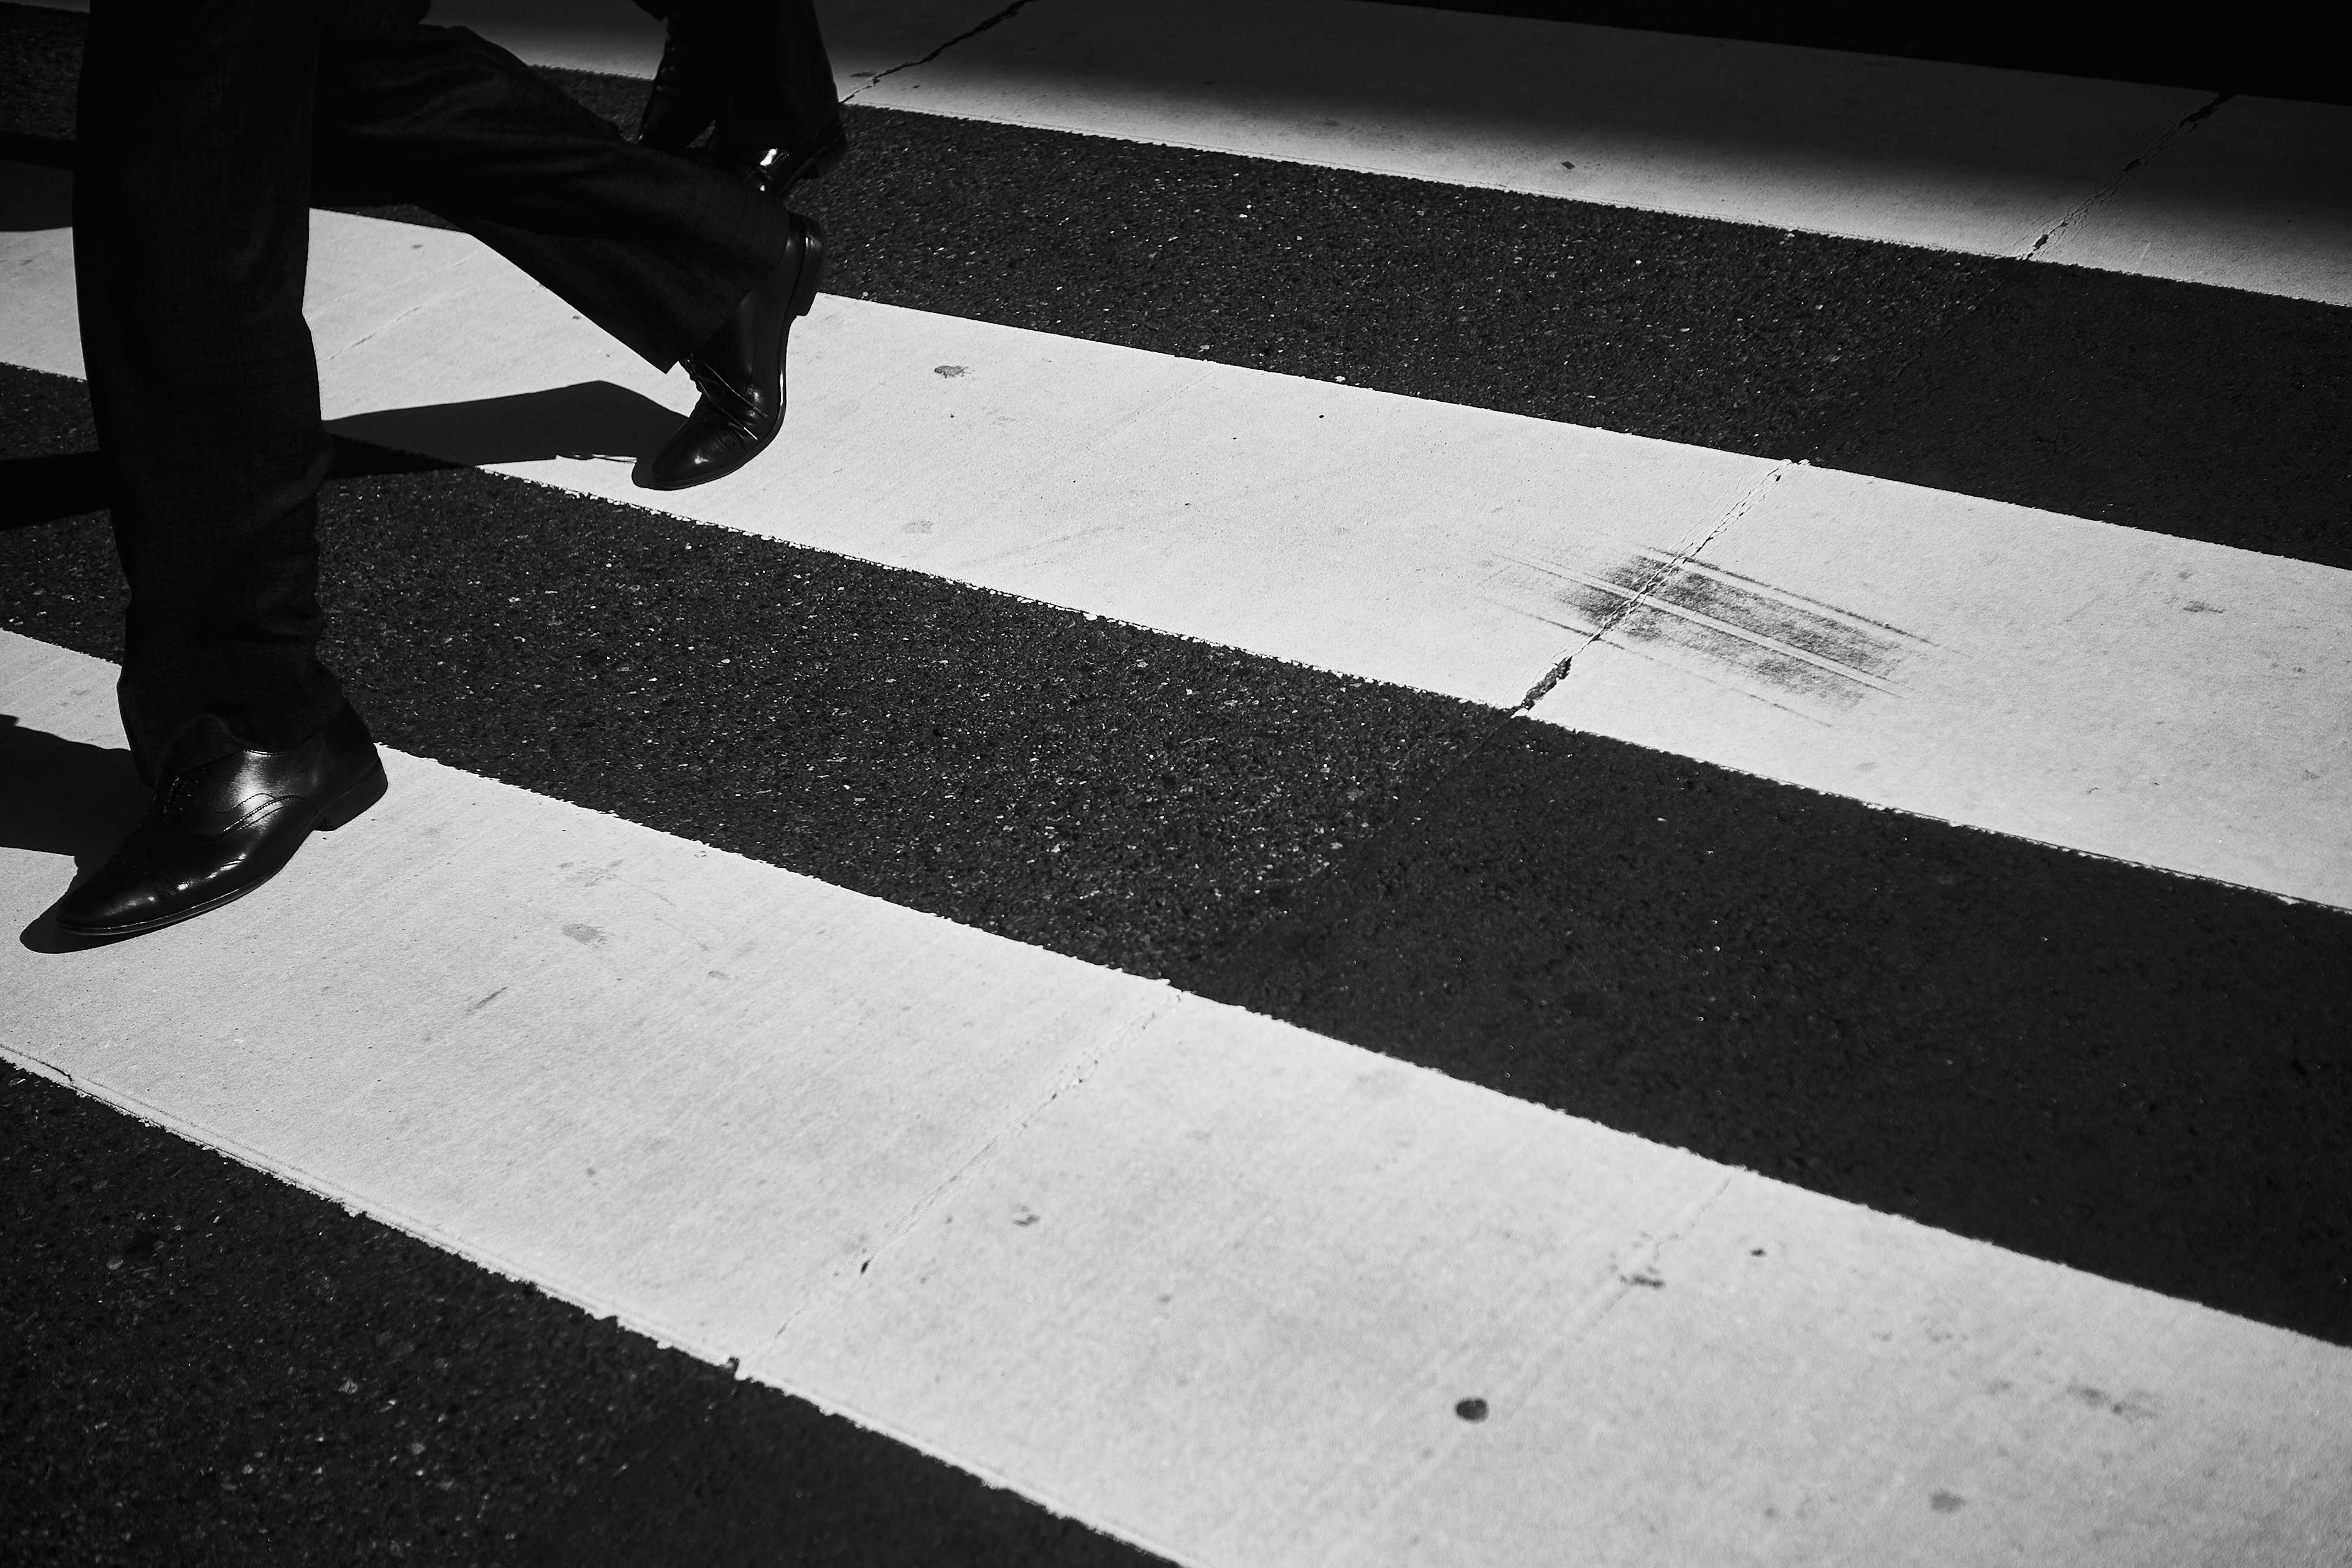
(704, 450)
(121, 895)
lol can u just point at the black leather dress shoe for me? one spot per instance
(217, 832)
(740, 373)
(774, 171)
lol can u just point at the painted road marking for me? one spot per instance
(620, 39)
(2249, 193)
(2257, 196)
(1955, 157)
(1204, 1280)
(2165, 701)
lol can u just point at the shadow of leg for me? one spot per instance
(589, 419)
(50, 485)
(64, 798)
(33, 198)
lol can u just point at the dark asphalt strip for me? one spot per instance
(1125, 796)
(40, 66)
(2201, 413)
(1742, 339)
(2134, 1074)
(2178, 407)
(2118, 1069)
(2185, 409)
(203, 1365)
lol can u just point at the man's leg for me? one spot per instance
(191, 237)
(758, 70)
(779, 79)
(656, 249)
(678, 262)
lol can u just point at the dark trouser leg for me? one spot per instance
(657, 250)
(191, 237)
(779, 88)
(758, 67)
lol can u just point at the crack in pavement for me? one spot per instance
(1005, 16)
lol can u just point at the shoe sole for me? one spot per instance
(811, 272)
(366, 792)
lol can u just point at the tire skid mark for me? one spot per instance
(1773, 643)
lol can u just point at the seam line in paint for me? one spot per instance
(1005, 16)
(1640, 598)
(2100, 197)
(1072, 1075)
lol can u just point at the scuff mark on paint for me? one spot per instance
(1780, 647)
(2133, 1407)
(586, 935)
(487, 1000)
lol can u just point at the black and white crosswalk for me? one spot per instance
(1422, 819)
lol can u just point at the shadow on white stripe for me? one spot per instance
(1199, 1278)
(2163, 702)
(863, 37)
(1961, 157)
(620, 39)
(2258, 195)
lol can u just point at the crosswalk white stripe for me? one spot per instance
(1200, 1279)
(2159, 700)
(2256, 196)
(862, 38)
(2156, 700)
(1956, 157)
(667, 1082)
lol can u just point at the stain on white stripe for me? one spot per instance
(1202, 1280)
(2164, 702)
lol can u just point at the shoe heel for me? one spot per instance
(354, 800)
(812, 265)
